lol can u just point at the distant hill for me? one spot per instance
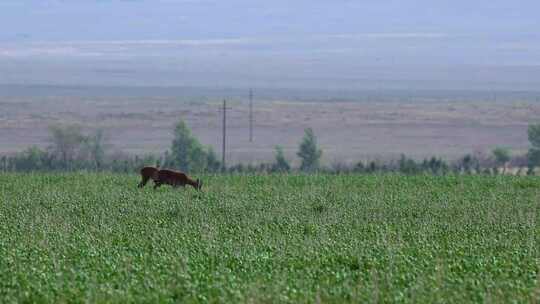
(194, 94)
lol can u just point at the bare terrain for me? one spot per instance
(347, 131)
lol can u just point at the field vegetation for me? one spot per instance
(95, 237)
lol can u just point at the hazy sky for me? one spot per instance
(42, 20)
(312, 39)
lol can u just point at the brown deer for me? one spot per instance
(169, 177)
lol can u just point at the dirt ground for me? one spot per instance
(347, 131)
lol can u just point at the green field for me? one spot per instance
(349, 238)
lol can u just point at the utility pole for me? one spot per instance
(250, 115)
(224, 167)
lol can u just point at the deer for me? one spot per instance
(169, 177)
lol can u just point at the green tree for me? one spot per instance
(281, 164)
(468, 163)
(436, 166)
(534, 159)
(95, 144)
(31, 159)
(408, 165)
(502, 156)
(309, 152)
(534, 152)
(212, 162)
(187, 153)
(66, 141)
(534, 135)
(4, 162)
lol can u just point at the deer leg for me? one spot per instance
(143, 182)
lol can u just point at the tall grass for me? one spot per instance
(290, 238)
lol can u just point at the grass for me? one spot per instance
(351, 238)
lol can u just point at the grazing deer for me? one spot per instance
(176, 179)
(169, 177)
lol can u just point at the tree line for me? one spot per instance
(70, 149)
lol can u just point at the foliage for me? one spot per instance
(212, 162)
(72, 150)
(96, 146)
(32, 158)
(534, 158)
(65, 141)
(534, 135)
(408, 166)
(468, 164)
(309, 152)
(274, 239)
(534, 152)
(187, 153)
(435, 166)
(281, 164)
(502, 155)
